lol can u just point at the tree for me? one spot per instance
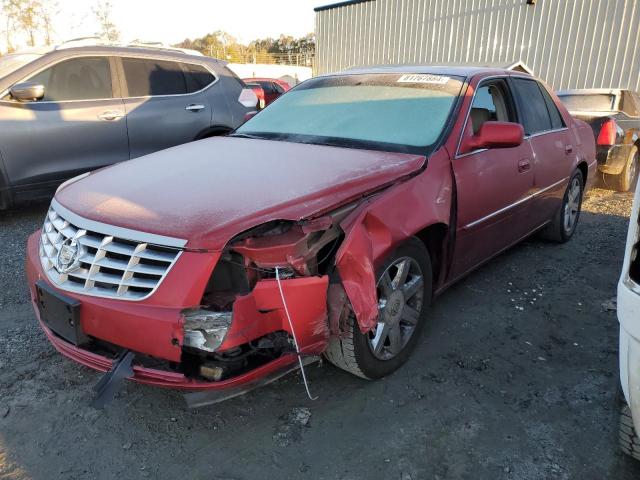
(108, 30)
(24, 16)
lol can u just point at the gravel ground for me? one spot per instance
(515, 379)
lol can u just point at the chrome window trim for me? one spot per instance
(121, 232)
(466, 119)
(515, 204)
(172, 95)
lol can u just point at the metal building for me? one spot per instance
(568, 43)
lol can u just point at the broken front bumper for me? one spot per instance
(152, 328)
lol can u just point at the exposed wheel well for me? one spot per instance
(433, 238)
(584, 169)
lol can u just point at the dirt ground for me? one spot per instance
(515, 378)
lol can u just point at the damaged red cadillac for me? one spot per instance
(322, 226)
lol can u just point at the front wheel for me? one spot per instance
(404, 285)
(564, 223)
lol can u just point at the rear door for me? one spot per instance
(554, 154)
(167, 102)
(79, 125)
(493, 186)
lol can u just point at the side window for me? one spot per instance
(535, 116)
(491, 103)
(198, 77)
(554, 113)
(278, 88)
(147, 77)
(86, 78)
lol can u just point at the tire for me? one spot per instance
(557, 230)
(374, 355)
(628, 439)
(625, 180)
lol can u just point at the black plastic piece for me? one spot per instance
(110, 382)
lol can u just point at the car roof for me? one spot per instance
(122, 50)
(461, 70)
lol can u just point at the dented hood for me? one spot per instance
(208, 191)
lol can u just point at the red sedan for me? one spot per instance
(272, 87)
(324, 225)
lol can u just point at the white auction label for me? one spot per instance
(423, 78)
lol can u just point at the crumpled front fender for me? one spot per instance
(383, 222)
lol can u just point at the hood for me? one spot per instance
(208, 191)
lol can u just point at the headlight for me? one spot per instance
(204, 329)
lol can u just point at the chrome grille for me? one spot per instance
(106, 265)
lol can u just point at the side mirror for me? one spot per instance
(494, 135)
(27, 91)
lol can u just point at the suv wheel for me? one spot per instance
(404, 293)
(627, 437)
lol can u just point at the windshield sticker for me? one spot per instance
(422, 78)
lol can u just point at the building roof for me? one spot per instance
(339, 4)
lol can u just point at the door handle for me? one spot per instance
(568, 149)
(194, 107)
(524, 165)
(111, 115)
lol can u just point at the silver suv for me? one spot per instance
(69, 110)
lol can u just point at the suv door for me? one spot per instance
(554, 154)
(167, 102)
(493, 186)
(78, 125)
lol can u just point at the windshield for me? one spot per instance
(396, 112)
(604, 102)
(12, 62)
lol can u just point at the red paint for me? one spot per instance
(209, 192)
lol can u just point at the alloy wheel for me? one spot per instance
(400, 302)
(572, 207)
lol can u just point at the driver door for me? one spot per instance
(493, 185)
(78, 125)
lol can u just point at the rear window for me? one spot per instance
(589, 103)
(399, 111)
(198, 77)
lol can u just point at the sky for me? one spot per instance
(173, 21)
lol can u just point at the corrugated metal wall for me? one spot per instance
(568, 43)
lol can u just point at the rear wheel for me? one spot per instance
(404, 292)
(625, 180)
(564, 223)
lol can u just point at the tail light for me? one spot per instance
(607, 135)
(248, 98)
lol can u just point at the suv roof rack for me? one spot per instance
(101, 41)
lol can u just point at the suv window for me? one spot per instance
(535, 115)
(267, 86)
(491, 103)
(86, 78)
(554, 113)
(198, 77)
(149, 77)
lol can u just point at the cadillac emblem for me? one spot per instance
(68, 258)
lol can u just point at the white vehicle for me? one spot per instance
(629, 317)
